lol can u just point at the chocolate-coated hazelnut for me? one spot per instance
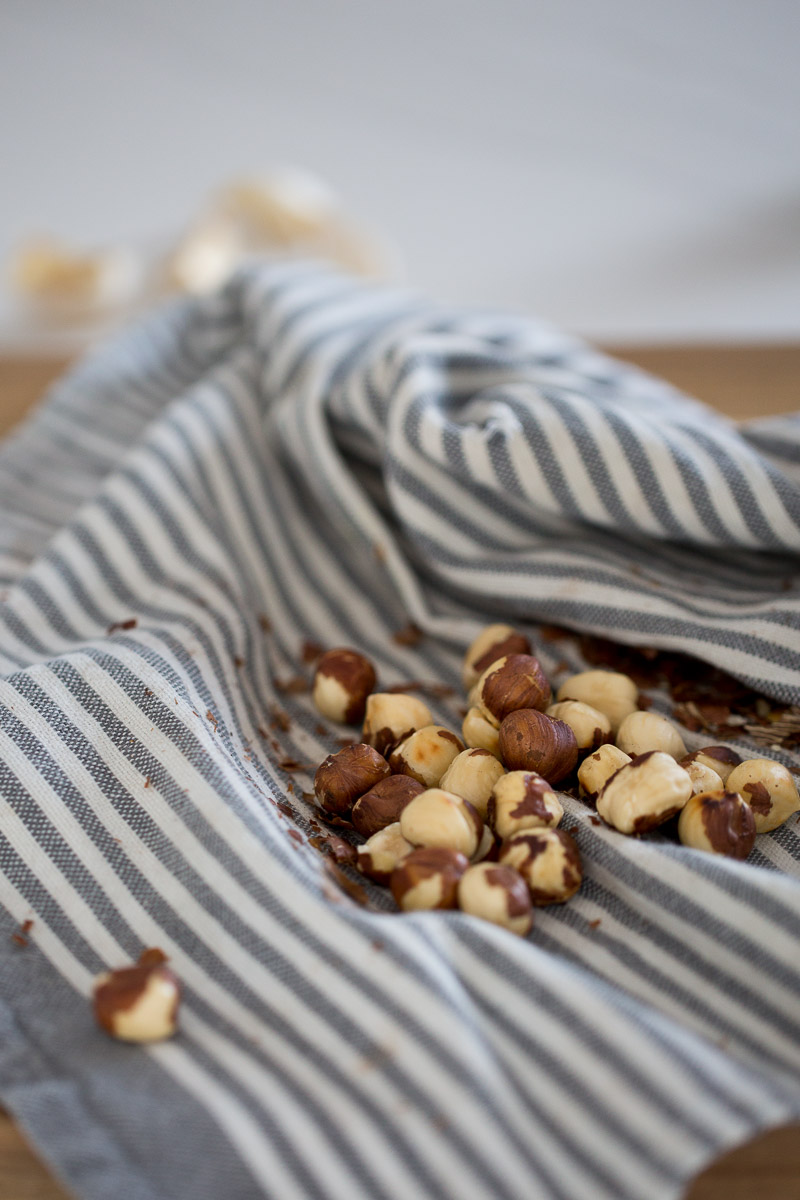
(595, 770)
(642, 732)
(439, 818)
(549, 862)
(610, 692)
(426, 755)
(428, 878)
(514, 682)
(472, 774)
(718, 821)
(391, 717)
(643, 793)
(719, 758)
(591, 727)
(138, 1003)
(769, 789)
(342, 681)
(523, 800)
(496, 892)
(493, 642)
(341, 778)
(381, 853)
(481, 733)
(531, 741)
(383, 803)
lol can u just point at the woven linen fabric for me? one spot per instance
(306, 458)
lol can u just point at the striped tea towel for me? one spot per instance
(303, 459)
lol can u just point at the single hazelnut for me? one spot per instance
(391, 717)
(496, 892)
(718, 821)
(493, 642)
(426, 755)
(549, 862)
(769, 789)
(479, 732)
(345, 776)
(472, 774)
(591, 727)
(381, 853)
(439, 818)
(642, 732)
(383, 803)
(342, 681)
(486, 846)
(428, 878)
(514, 682)
(138, 1003)
(643, 793)
(719, 758)
(531, 741)
(703, 778)
(595, 770)
(523, 800)
(610, 692)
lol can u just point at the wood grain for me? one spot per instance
(742, 381)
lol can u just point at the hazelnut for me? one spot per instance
(548, 861)
(480, 732)
(719, 758)
(345, 776)
(391, 717)
(768, 788)
(487, 844)
(383, 803)
(493, 642)
(718, 821)
(138, 1003)
(591, 727)
(595, 770)
(472, 774)
(427, 754)
(439, 818)
(643, 793)
(703, 778)
(531, 741)
(428, 878)
(523, 800)
(342, 681)
(497, 893)
(642, 732)
(609, 692)
(516, 681)
(381, 853)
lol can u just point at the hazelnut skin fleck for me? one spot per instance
(769, 789)
(719, 822)
(531, 741)
(472, 774)
(138, 1003)
(493, 642)
(549, 862)
(342, 681)
(523, 800)
(496, 892)
(383, 803)
(427, 754)
(428, 878)
(439, 818)
(390, 718)
(341, 778)
(511, 683)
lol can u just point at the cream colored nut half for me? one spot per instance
(523, 800)
(610, 692)
(719, 822)
(391, 717)
(598, 768)
(437, 818)
(549, 862)
(480, 733)
(496, 892)
(493, 642)
(591, 727)
(381, 853)
(645, 792)
(642, 732)
(472, 774)
(427, 754)
(702, 777)
(769, 789)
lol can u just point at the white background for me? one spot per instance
(629, 169)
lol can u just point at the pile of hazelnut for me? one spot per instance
(472, 822)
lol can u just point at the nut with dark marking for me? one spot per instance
(703, 778)
(439, 818)
(531, 741)
(642, 732)
(381, 853)
(644, 793)
(493, 642)
(769, 789)
(428, 878)
(487, 846)
(479, 732)
(390, 718)
(512, 683)
(718, 821)
(598, 768)
(342, 681)
(610, 692)
(719, 758)
(523, 800)
(383, 803)
(472, 774)
(345, 776)
(138, 1003)
(496, 892)
(549, 862)
(591, 727)
(427, 754)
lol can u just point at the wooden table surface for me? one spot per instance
(743, 381)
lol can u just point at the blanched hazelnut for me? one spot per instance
(481, 733)
(341, 778)
(511, 683)
(428, 878)
(531, 741)
(549, 862)
(391, 717)
(769, 789)
(719, 758)
(642, 732)
(472, 774)
(718, 821)
(702, 777)
(497, 893)
(487, 844)
(383, 803)
(523, 800)
(342, 681)
(493, 642)
(610, 692)
(591, 727)
(439, 818)
(426, 755)
(595, 770)
(381, 853)
(139, 1003)
(645, 792)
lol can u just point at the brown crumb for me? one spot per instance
(131, 623)
(595, 924)
(339, 850)
(595, 820)
(278, 719)
(211, 718)
(354, 890)
(320, 730)
(378, 944)
(147, 782)
(285, 808)
(411, 635)
(296, 836)
(27, 925)
(238, 661)
(265, 623)
(148, 691)
(379, 550)
(19, 940)
(311, 651)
